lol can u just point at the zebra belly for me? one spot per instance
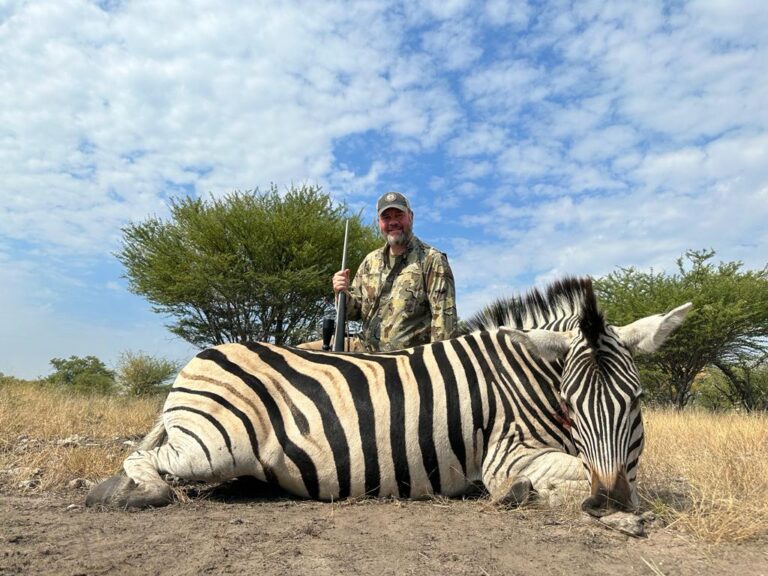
(312, 465)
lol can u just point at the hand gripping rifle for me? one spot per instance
(341, 306)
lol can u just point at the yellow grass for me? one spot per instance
(52, 413)
(34, 420)
(705, 474)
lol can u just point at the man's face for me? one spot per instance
(396, 226)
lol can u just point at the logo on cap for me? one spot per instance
(391, 197)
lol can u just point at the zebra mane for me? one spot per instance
(567, 298)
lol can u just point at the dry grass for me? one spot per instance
(705, 474)
(36, 420)
(52, 413)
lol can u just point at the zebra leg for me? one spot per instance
(120, 491)
(512, 491)
(557, 477)
(149, 488)
(139, 486)
(553, 475)
(111, 493)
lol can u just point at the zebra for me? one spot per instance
(538, 395)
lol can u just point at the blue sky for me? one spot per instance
(534, 139)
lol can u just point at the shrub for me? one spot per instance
(139, 374)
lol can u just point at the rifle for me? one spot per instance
(329, 325)
(341, 307)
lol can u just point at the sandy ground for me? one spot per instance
(229, 533)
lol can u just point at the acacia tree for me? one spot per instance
(729, 320)
(250, 266)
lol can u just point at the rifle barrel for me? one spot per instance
(341, 306)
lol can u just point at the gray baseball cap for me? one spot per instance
(392, 200)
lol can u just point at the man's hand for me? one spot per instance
(341, 282)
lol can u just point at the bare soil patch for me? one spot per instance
(227, 533)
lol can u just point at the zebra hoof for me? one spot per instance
(149, 496)
(109, 492)
(514, 492)
(121, 492)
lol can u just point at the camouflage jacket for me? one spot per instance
(406, 303)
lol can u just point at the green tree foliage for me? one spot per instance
(87, 374)
(140, 374)
(728, 323)
(249, 266)
(743, 381)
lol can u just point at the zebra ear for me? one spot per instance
(547, 344)
(647, 334)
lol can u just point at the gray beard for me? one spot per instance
(397, 239)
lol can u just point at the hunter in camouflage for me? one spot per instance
(403, 293)
(404, 300)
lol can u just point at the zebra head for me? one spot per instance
(600, 390)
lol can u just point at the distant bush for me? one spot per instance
(87, 374)
(139, 374)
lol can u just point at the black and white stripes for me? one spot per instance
(539, 382)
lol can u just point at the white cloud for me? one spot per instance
(503, 12)
(473, 170)
(739, 20)
(675, 77)
(479, 140)
(453, 44)
(443, 9)
(679, 168)
(602, 144)
(530, 160)
(137, 101)
(505, 87)
(738, 159)
(595, 235)
(535, 138)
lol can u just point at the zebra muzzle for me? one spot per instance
(615, 495)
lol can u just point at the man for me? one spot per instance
(404, 292)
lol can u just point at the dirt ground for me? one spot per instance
(229, 533)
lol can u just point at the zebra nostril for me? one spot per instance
(595, 505)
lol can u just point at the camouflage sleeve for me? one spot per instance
(441, 292)
(355, 301)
